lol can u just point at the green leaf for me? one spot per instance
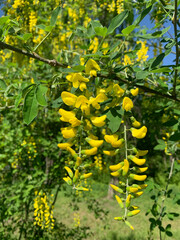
(101, 31)
(157, 61)
(2, 85)
(54, 16)
(117, 21)
(25, 37)
(175, 137)
(160, 70)
(143, 14)
(114, 119)
(40, 94)
(126, 31)
(30, 109)
(142, 74)
(4, 19)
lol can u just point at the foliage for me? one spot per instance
(89, 61)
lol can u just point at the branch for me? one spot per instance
(110, 75)
(32, 55)
(145, 89)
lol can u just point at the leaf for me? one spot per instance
(175, 137)
(40, 94)
(25, 37)
(157, 61)
(160, 70)
(142, 74)
(54, 16)
(143, 14)
(101, 31)
(117, 21)
(30, 109)
(4, 19)
(128, 30)
(2, 85)
(114, 119)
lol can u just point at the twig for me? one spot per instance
(109, 75)
(32, 55)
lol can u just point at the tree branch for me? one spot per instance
(110, 75)
(32, 55)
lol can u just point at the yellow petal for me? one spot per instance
(68, 98)
(134, 92)
(68, 132)
(90, 152)
(98, 121)
(91, 65)
(63, 146)
(127, 104)
(66, 115)
(139, 133)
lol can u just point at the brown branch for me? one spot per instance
(145, 89)
(110, 75)
(32, 55)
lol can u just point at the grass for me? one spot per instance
(105, 227)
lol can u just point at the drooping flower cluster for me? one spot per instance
(43, 211)
(81, 117)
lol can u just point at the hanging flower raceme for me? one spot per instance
(81, 121)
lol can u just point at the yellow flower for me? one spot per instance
(136, 124)
(92, 67)
(116, 167)
(134, 92)
(101, 97)
(98, 121)
(63, 146)
(94, 143)
(77, 80)
(118, 91)
(86, 175)
(68, 98)
(68, 132)
(119, 201)
(133, 213)
(141, 153)
(138, 161)
(113, 140)
(68, 180)
(90, 152)
(117, 189)
(66, 115)
(139, 133)
(128, 200)
(75, 122)
(69, 171)
(110, 153)
(126, 167)
(73, 153)
(138, 177)
(127, 104)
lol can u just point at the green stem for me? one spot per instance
(127, 183)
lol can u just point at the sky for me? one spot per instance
(168, 60)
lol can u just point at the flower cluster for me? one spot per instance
(82, 116)
(43, 213)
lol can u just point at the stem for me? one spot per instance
(125, 145)
(165, 192)
(177, 52)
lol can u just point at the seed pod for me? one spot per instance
(116, 188)
(128, 200)
(126, 167)
(69, 171)
(119, 201)
(133, 213)
(116, 167)
(138, 177)
(84, 176)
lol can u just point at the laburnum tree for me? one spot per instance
(81, 97)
